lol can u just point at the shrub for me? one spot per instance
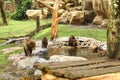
(21, 7)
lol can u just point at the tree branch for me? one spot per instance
(44, 4)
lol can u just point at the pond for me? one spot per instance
(76, 52)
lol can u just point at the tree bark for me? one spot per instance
(54, 27)
(3, 15)
(37, 24)
(54, 11)
(113, 31)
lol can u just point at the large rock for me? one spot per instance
(75, 2)
(89, 16)
(77, 17)
(60, 12)
(62, 58)
(32, 14)
(73, 17)
(97, 20)
(101, 7)
(62, 5)
(64, 17)
(44, 13)
(68, 6)
(78, 8)
(27, 62)
(61, 39)
(87, 5)
(105, 23)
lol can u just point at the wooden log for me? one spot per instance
(88, 67)
(92, 72)
(111, 76)
(56, 65)
(52, 77)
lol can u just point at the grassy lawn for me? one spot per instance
(65, 30)
(19, 28)
(4, 62)
(4, 56)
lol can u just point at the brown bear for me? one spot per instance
(28, 46)
(72, 41)
(44, 42)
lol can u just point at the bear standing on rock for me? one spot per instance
(28, 46)
(44, 42)
(72, 41)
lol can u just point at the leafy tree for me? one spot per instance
(21, 7)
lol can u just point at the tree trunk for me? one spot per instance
(54, 27)
(113, 31)
(54, 11)
(37, 24)
(3, 13)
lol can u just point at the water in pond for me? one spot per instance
(78, 52)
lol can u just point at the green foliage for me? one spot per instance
(49, 15)
(21, 7)
(65, 30)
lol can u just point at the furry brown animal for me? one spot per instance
(72, 41)
(28, 46)
(44, 42)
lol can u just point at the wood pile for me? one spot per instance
(77, 69)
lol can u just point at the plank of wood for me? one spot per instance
(94, 66)
(62, 72)
(111, 76)
(92, 72)
(56, 65)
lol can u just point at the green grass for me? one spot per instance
(65, 30)
(19, 28)
(3, 57)
(2, 41)
(4, 62)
